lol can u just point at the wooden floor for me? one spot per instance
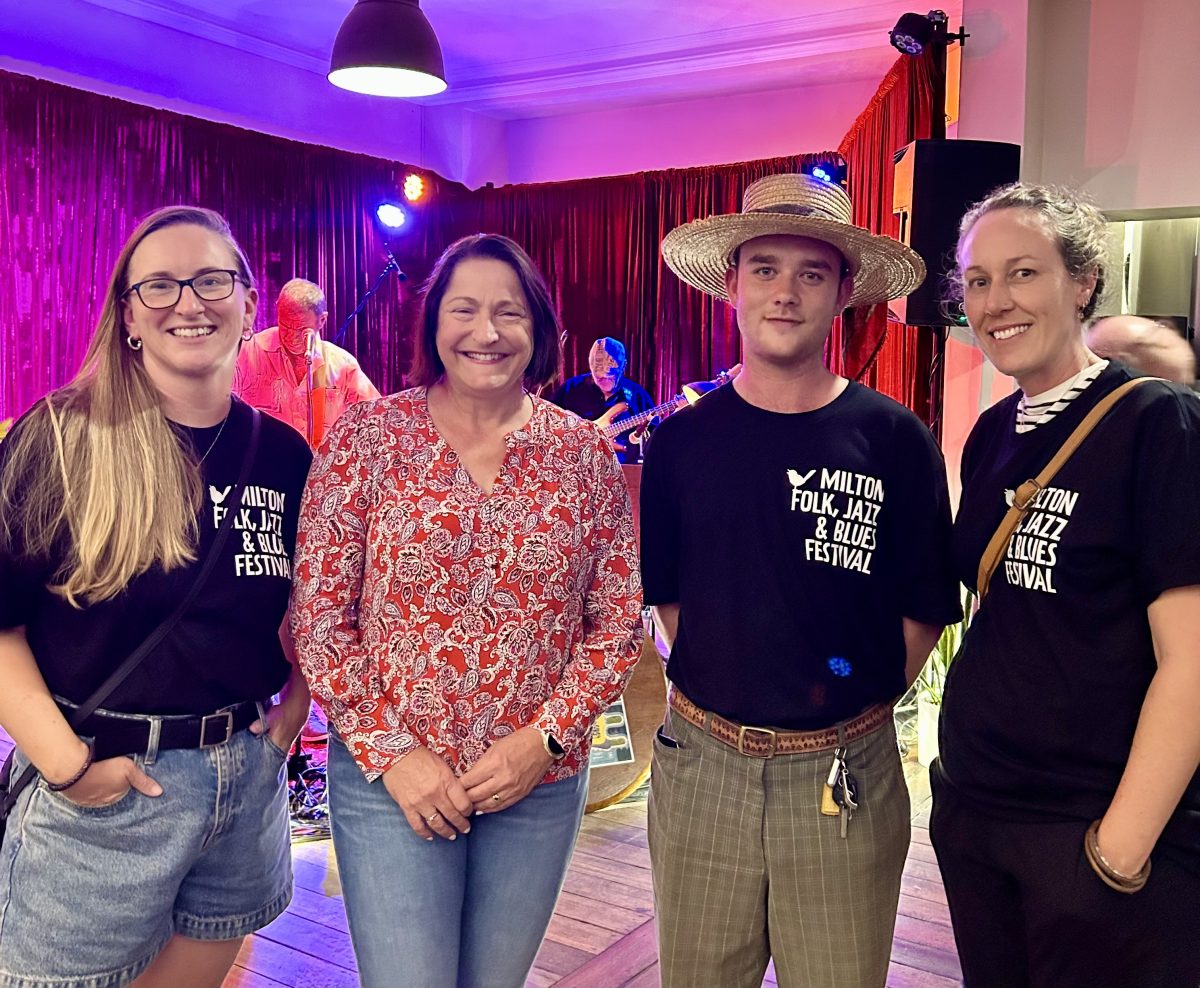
(602, 935)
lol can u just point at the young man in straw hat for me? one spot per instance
(801, 583)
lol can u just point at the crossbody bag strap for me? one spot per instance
(1027, 493)
(134, 659)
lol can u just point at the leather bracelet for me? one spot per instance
(1128, 884)
(87, 763)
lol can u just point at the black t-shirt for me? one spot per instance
(581, 395)
(226, 648)
(794, 558)
(1041, 705)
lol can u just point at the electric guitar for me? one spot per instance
(689, 395)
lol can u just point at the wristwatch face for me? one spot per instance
(556, 749)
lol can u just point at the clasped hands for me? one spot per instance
(437, 802)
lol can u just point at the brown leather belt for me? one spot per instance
(766, 742)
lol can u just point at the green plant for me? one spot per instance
(931, 681)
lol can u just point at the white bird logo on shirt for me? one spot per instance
(796, 479)
(218, 497)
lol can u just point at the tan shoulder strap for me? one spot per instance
(1027, 493)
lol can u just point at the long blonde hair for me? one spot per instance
(96, 477)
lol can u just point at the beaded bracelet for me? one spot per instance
(87, 763)
(1108, 874)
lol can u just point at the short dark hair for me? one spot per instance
(544, 364)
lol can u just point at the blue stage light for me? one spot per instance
(390, 215)
(831, 170)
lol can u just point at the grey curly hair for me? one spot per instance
(1077, 226)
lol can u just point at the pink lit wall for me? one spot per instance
(1122, 122)
(971, 386)
(717, 130)
(1101, 93)
(235, 87)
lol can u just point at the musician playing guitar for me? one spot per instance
(605, 392)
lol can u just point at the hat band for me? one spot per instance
(795, 210)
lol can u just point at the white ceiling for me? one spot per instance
(511, 60)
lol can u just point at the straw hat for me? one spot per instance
(701, 252)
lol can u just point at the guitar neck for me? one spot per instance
(624, 425)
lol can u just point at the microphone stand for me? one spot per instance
(392, 265)
(309, 343)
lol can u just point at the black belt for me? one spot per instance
(134, 734)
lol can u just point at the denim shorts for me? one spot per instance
(89, 896)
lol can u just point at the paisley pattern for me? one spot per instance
(428, 612)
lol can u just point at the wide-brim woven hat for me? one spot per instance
(701, 252)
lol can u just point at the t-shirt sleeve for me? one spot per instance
(1166, 501)
(660, 524)
(21, 578)
(928, 589)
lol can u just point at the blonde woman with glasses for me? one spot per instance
(148, 524)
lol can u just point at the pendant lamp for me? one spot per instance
(387, 48)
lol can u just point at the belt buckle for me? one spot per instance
(228, 715)
(741, 746)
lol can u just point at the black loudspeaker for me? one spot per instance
(936, 181)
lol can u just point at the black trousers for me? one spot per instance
(1029, 912)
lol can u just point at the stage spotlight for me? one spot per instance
(390, 215)
(913, 32)
(414, 187)
(833, 172)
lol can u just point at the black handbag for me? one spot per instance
(10, 788)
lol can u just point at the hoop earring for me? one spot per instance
(133, 342)
(247, 335)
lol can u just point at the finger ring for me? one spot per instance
(432, 817)
(495, 797)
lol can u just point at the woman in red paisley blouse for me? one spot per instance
(467, 603)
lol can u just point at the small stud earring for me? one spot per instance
(133, 342)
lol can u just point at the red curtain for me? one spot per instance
(78, 170)
(889, 356)
(597, 241)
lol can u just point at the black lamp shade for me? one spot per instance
(387, 48)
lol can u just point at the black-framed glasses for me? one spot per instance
(164, 293)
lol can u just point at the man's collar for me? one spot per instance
(272, 343)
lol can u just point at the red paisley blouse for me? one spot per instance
(428, 612)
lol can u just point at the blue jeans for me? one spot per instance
(468, 913)
(89, 895)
